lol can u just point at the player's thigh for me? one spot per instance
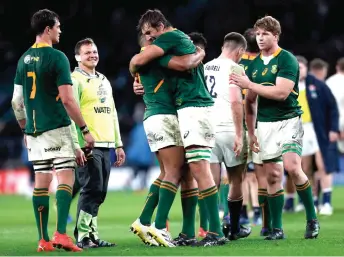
(162, 130)
(309, 141)
(197, 126)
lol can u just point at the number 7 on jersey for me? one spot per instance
(33, 76)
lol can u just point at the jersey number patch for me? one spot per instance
(211, 84)
(33, 90)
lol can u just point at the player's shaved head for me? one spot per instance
(250, 36)
(153, 18)
(42, 19)
(318, 64)
(198, 39)
(269, 24)
(234, 40)
(86, 41)
(340, 64)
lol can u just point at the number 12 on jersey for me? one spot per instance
(211, 85)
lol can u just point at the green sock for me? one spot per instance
(203, 213)
(189, 205)
(224, 190)
(276, 203)
(167, 194)
(305, 193)
(264, 205)
(151, 203)
(211, 199)
(63, 199)
(40, 200)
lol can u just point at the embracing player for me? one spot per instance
(274, 77)
(194, 109)
(230, 138)
(43, 102)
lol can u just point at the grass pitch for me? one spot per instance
(18, 232)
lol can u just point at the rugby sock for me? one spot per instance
(189, 205)
(235, 207)
(40, 200)
(211, 199)
(244, 212)
(224, 190)
(327, 193)
(151, 203)
(203, 213)
(305, 193)
(276, 202)
(63, 200)
(167, 194)
(264, 205)
(316, 201)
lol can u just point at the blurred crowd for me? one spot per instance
(309, 28)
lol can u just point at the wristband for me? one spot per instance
(84, 130)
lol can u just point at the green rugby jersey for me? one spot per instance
(283, 64)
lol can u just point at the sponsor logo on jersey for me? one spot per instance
(53, 149)
(254, 74)
(265, 71)
(28, 59)
(106, 110)
(274, 69)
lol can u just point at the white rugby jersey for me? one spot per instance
(217, 73)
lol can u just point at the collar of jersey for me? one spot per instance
(278, 51)
(86, 74)
(40, 45)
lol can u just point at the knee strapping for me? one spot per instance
(197, 154)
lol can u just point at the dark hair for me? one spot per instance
(250, 36)
(318, 64)
(154, 18)
(302, 59)
(42, 19)
(340, 64)
(198, 39)
(269, 24)
(234, 40)
(86, 41)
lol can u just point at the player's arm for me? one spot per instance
(18, 105)
(251, 111)
(183, 63)
(64, 83)
(150, 53)
(236, 101)
(76, 93)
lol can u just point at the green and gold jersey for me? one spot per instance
(281, 64)
(93, 93)
(41, 70)
(159, 90)
(191, 88)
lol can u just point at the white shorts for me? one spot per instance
(197, 126)
(162, 130)
(252, 156)
(223, 150)
(310, 142)
(53, 149)
(279, 137)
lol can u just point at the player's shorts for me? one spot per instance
(162, 130)
(252, 157)
(223, 150)
(197, 126)
(53, 149)
(310, 142)
(279, 137)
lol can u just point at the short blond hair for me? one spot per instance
(269, 24)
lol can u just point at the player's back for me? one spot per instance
(40, 71)
(217, 74)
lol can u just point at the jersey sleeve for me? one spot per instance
(236, 69)
(167, 41)
(288, 67)
(163, 61)
(18, 80)
(62, 69)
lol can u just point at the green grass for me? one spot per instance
(18, 232)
